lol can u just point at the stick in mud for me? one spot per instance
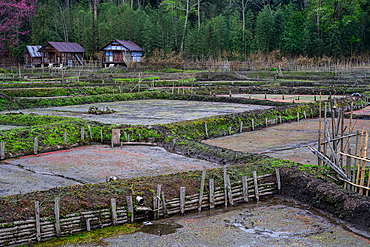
(252, 123)
(35, 145)
(278, 178)
(101, 135)
(164, 204)
(230, 195)
(114, 211)
(225, 186)
(205, 127)
(65, 138)
(211, 194)
(57, 221)
(241, 126)
(359, 163)
(2, 150)
(182, 201)
(130, 208)
(37, 221)
(256, 185)
(245, 188)
(201, 190)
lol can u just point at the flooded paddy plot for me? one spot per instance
(286, 141)
(90, 164)
(298, 98)
(274, 222)
(147, 112)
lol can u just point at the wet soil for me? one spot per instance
(90, 164)
(147, 112)
(274, 222)
(286, 141)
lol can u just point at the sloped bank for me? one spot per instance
(332, 198)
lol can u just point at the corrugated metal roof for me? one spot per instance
(33, 50)
(131, 46)
(65, 47)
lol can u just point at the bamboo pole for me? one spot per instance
(364, 163)
(355, 164)
(319, 160)
(359, 163)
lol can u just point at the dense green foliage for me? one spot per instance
(231, 29)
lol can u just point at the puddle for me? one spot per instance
(160, 228)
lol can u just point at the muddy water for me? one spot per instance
(274, 222)
(91, 164)
(147, 112)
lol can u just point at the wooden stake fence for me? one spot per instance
(39, 229)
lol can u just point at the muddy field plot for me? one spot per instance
(286, 141)
(363, 112)
(298, 98)
(147, 112)
(271, 223)
(90, 165)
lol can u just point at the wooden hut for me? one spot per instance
(66, 53)
(121, 52)
(31, 55)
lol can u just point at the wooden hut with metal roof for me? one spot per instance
(31, 55)
(121, 52)
(66, 53)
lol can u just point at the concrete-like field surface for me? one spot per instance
(274, 222)
(286, 141)
(298, 98)
(90, 164)
(147, 112)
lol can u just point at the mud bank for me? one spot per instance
(333, 199)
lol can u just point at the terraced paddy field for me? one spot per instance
(147, 112)
(298, 98)
(286, 141)
(91, 164)
(273, 222)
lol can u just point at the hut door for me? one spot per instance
(116, 56)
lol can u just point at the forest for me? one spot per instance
(193, 28)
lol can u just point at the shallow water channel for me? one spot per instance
(272, 222)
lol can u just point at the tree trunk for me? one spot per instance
(185, 24)
(95, 36)
(198, 13)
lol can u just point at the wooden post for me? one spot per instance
(211, 194)
(252, 123)
(319, 147)
(278, 178)
(355, 161)
(130, 208)
(266, 122)
(283, 97)
(280, 119)
(342, 139)
(256, 185)
(241, 126)
(182, 201)
(88, 227)
(82, 133)
(57, 221)
(205, 127)
(297, 116)
(229, 130)
(101, 135)
(114, 211)
(37, 223)
(304, 114)
(230, 195)
(2, 150)
(65, 138)
(225, 186)
(164, 204)
(155, 206)
(201, 190)
(245, 188)
(159, 188)
(89, 128)
(35, 144)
